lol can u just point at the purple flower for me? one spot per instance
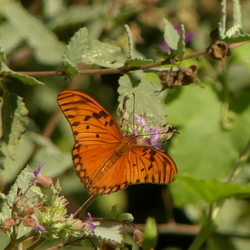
(36, 173)
(140, 120)
(136, 133)
(45, 181)
(154, 138)
(39, 228)
(89, 225)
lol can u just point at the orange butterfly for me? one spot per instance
(104, 159)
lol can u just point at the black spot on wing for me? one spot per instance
(150, 166)
(111, 123)
(97, 116)
(75, 133)
(103, 114)
(74, 124)
(86, 118)
(152, 158)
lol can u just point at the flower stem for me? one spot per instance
(85, 205)
(14, 243)
(36, 244)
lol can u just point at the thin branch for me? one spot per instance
(108, 71)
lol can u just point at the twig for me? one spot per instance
(108, 71)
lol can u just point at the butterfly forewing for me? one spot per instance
(90, 122)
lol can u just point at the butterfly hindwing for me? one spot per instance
(149, 165)
(90, 122)
(96, 169)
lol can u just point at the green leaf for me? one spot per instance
(57, 163)
(146, 100)
(33, 194)
(150, 236)
(234, 34)
(15, 118)
(203, 147)
(81, 49)
(234, 31)
(181, 44)
(211, 191)
(102, 54)
(137, 62)
(53, 8)
(12, 167)
(75, 49)
(10, 37)
(47, 50)
(171, 35)
(75, 14)
(219, 242)
(222, 23)
(236, 39)
(110, 233)
(28, 80)
(197, 113)
(116, 214)
(127, 12)
(1, 119)
(130, 42)
(237, 14)
(70, 68)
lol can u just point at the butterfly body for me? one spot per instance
(104, 159)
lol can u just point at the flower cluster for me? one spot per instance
(149, 135)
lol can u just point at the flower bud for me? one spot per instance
(9, 222)
(28, 210)
(79, 225)
(45, 181)
(28, 221)
(138, 236)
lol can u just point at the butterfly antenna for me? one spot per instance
(133, 111)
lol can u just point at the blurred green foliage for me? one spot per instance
(213, 122)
